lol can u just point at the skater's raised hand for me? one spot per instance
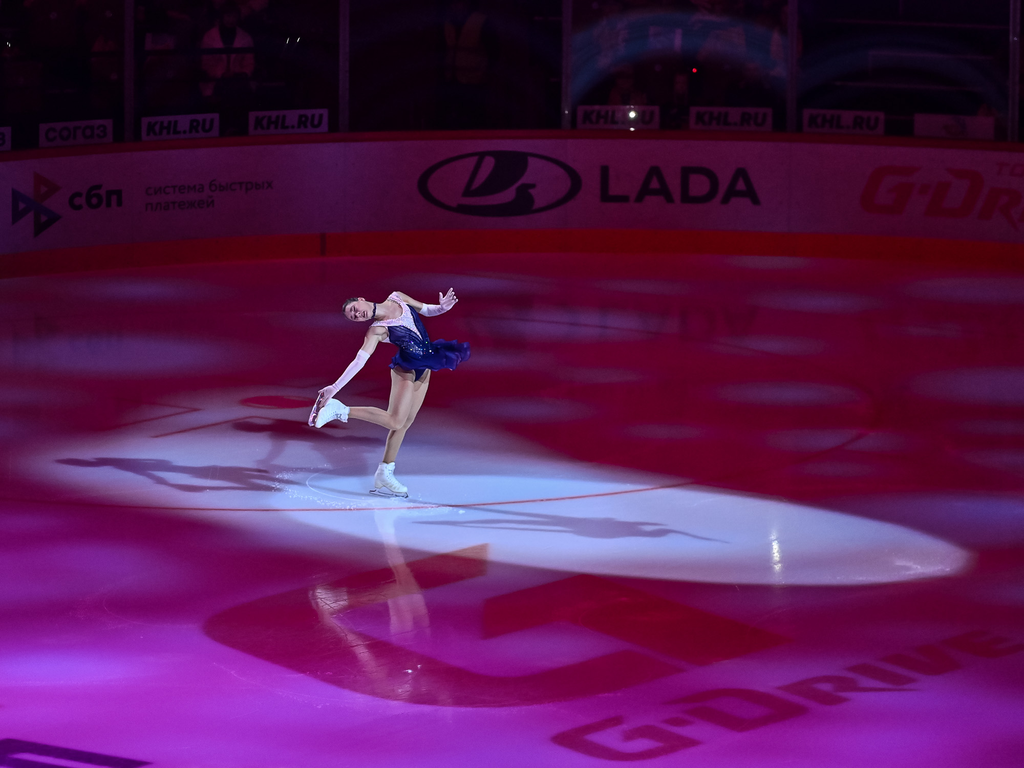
(445, 302)
(448, 300)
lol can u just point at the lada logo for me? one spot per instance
(499, 183)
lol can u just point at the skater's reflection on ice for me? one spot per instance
(409, 619)
(383, 663)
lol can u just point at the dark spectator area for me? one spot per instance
(61, 60)
(902, 58)
(455, 64)
(233, 56)
(380, 65)
(679, 54)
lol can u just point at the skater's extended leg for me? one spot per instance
(399, 406)
(396, 436)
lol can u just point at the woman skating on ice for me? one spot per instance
(395, 320)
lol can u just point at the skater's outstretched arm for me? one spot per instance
(445, 302)
(374, 335)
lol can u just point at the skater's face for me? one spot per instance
(359, 311)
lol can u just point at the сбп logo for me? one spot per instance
(499, 183)
(22, 205)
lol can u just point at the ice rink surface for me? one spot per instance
(675, 510)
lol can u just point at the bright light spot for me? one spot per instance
(538, 512)
(776, 555)
(632, 129)
(694, 70)
(632, 114)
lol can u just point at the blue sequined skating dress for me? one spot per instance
(416, 352)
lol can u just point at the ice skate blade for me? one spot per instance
(314, 414)
(321, 419)
(388, 493)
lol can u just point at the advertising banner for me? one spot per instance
(731, 118)
(629, 118)
(181, 127)
(170, 195)
(488, 184)
(288, 121)
(77, 132)
(955, 126)
(904, 191)
(501, 184)
(844, 121)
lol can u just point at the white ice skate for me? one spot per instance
(385, 483)
(330, 411)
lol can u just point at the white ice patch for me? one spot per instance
(625, 529)
(978, 520)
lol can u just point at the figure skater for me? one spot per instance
(395, 320)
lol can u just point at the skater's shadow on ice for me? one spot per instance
(588, 527)
(283, 432)
(225, 478)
